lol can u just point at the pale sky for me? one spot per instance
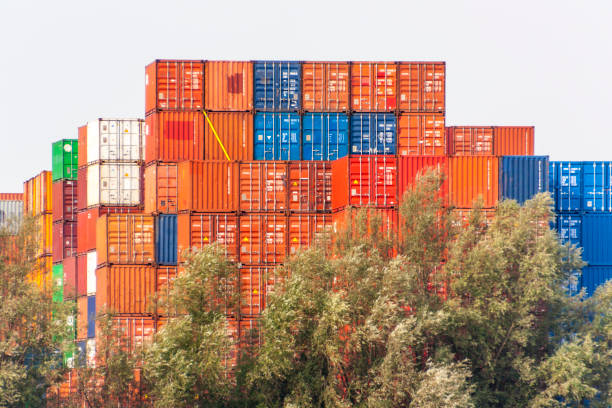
(541, 63)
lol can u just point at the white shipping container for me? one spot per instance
(92, 263)
(11, 212)
(114, 184)
(115, 140)
(90, 350)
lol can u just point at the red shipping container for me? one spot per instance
(82, 188)
(471, 177)
(513, 140)
(263, 238)
(164, 276)
(11, 196)
(125, 289)
(64, 200)
(70, 277)
(250, 335)
(137, 331)
(462, 216)
(364, 181)
(469, 140)
(125, 239)
(174, 136)
(229, 85)
(421, 134)
(174, 85)
(325, 86)
(256, 283)
(310, 186)
(82, 146)
(64, 240)
(410, 167)
(160, 188)
(263, 186)
(196, 230)
(235, 130)
(389, 221)
(81, 333)
(86, 224)
(422, 86)
(211, 186)
(308, 229)
(81, 274)
(373, 86)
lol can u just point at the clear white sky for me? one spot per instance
(534, 62)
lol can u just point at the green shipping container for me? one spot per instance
(65, 159)
(57, 277)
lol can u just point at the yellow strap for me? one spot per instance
(216, 136)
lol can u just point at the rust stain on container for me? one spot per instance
(125, 239)
(325, 86)
(125, 289)
(471, 177)
(161, 183)
(229, 85)
(211, 186)
(235, 129)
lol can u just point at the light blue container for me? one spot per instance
(325, 136)
(276, 136)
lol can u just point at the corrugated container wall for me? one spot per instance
(373, 86)
(597, 186)
(522, 177)
(114, 140)
(196, 230)
(263, 186)
(165, 239)
(64, 240)
(256, 283)
(114, 184)
(469, 140)
(160, 188)
(594, 276)
(324, 136)
(513, 140)
(82, 318)
(125, 289)
(596, 237)
(263, 238)
(471, 177)
(421, 134)
(37, 194)
(235, 130)
(208, 186)
(566, 185)
(45, 225)
(277, 136)
(310, 186)
(325, 86)
(229, 86)
(81, 275)
(305, 230)
(65, 157)
(277, 85)
(174, 85)
(569, 228)
(86, 224)
(70, 277)
(411, 167)
(125, 239)
(82, 145)
(65, 200)
(373, 133)
(174, 136)
(422, 86)
(11, 212)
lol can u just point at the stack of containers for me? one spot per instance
(582, 192)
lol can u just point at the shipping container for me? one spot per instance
(81, 318)
(522, 177)
(277, 85)
(461, 217)
(125, 239)
(324, 136)
(11, 197)
(165, 239)
(125, 289)
(82, 146)
(409, 168)
(593, 277)
(174, 136)
(276, 136)
(264, 186)
(229, 86)
(37, 194)
(325, 86)
(513, 140)
(364, 181)
(306, 230)
(160, 188)
(137, 332)
(310, 186)
(174, 85)
(81, 274)
(90, 352)
(347, 219)
(569, 228)
(70, 277)
(164, 276)
(41, 274)
(263, 238)
(64, 240)
(422, 86)
(469, 140)
(373, 86)
(64, 200)
(91, 317)
(421, 134)
(86, 224)
(373, 133)
(65, 157)
(597, 186)
(471, 177)
(256, 283)
(45, 234)
(196, 230)
(114, 184)
(566, 180)
(11, 211)
(92, 265)
(235, 131)
(211, 186)
(116, 140)
(596, 236)
(57, 277)
(81, 188)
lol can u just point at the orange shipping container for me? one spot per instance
(471, 177)
(11, 196)
(373, 86)
(469, 140)
(125, 239)
(263, 186)
(82, 146)
(174, 85)
(136, 331)
(422, 86)
(125, 289)
(87, 223)
(211, 186)
(235, 130)
(196, 230)
(421, 134)
(38, 194)
(160, 188)
(45, 225)
(308, 229)
(256, 283)
(514, 140)
(310, 187)
(81, 318)
(325, 86)
(164, 278)
(229, 85)
(263, 238)
(410, 167)
(462, 216)
(174, 136)
(347, 218)
(42, 273)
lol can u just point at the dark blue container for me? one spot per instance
(277, 136)
(596, 181)
(80, 355)
(522, 177)
(373, 133)
(165, 239)
(569, 228)
(593, 277)
(277, 85)
(567, 182)
(91, 317)
(324, 136)
(596, 239)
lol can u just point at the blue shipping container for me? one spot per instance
(80, 353)
(596, 239)
(277, 85)
(373, 133)
(91, 317)
(593, 277)
(165, 239)
(567, 182)
(596, 186)
(277, 136)
(569, 228)
(522, 177)
(324, 136)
